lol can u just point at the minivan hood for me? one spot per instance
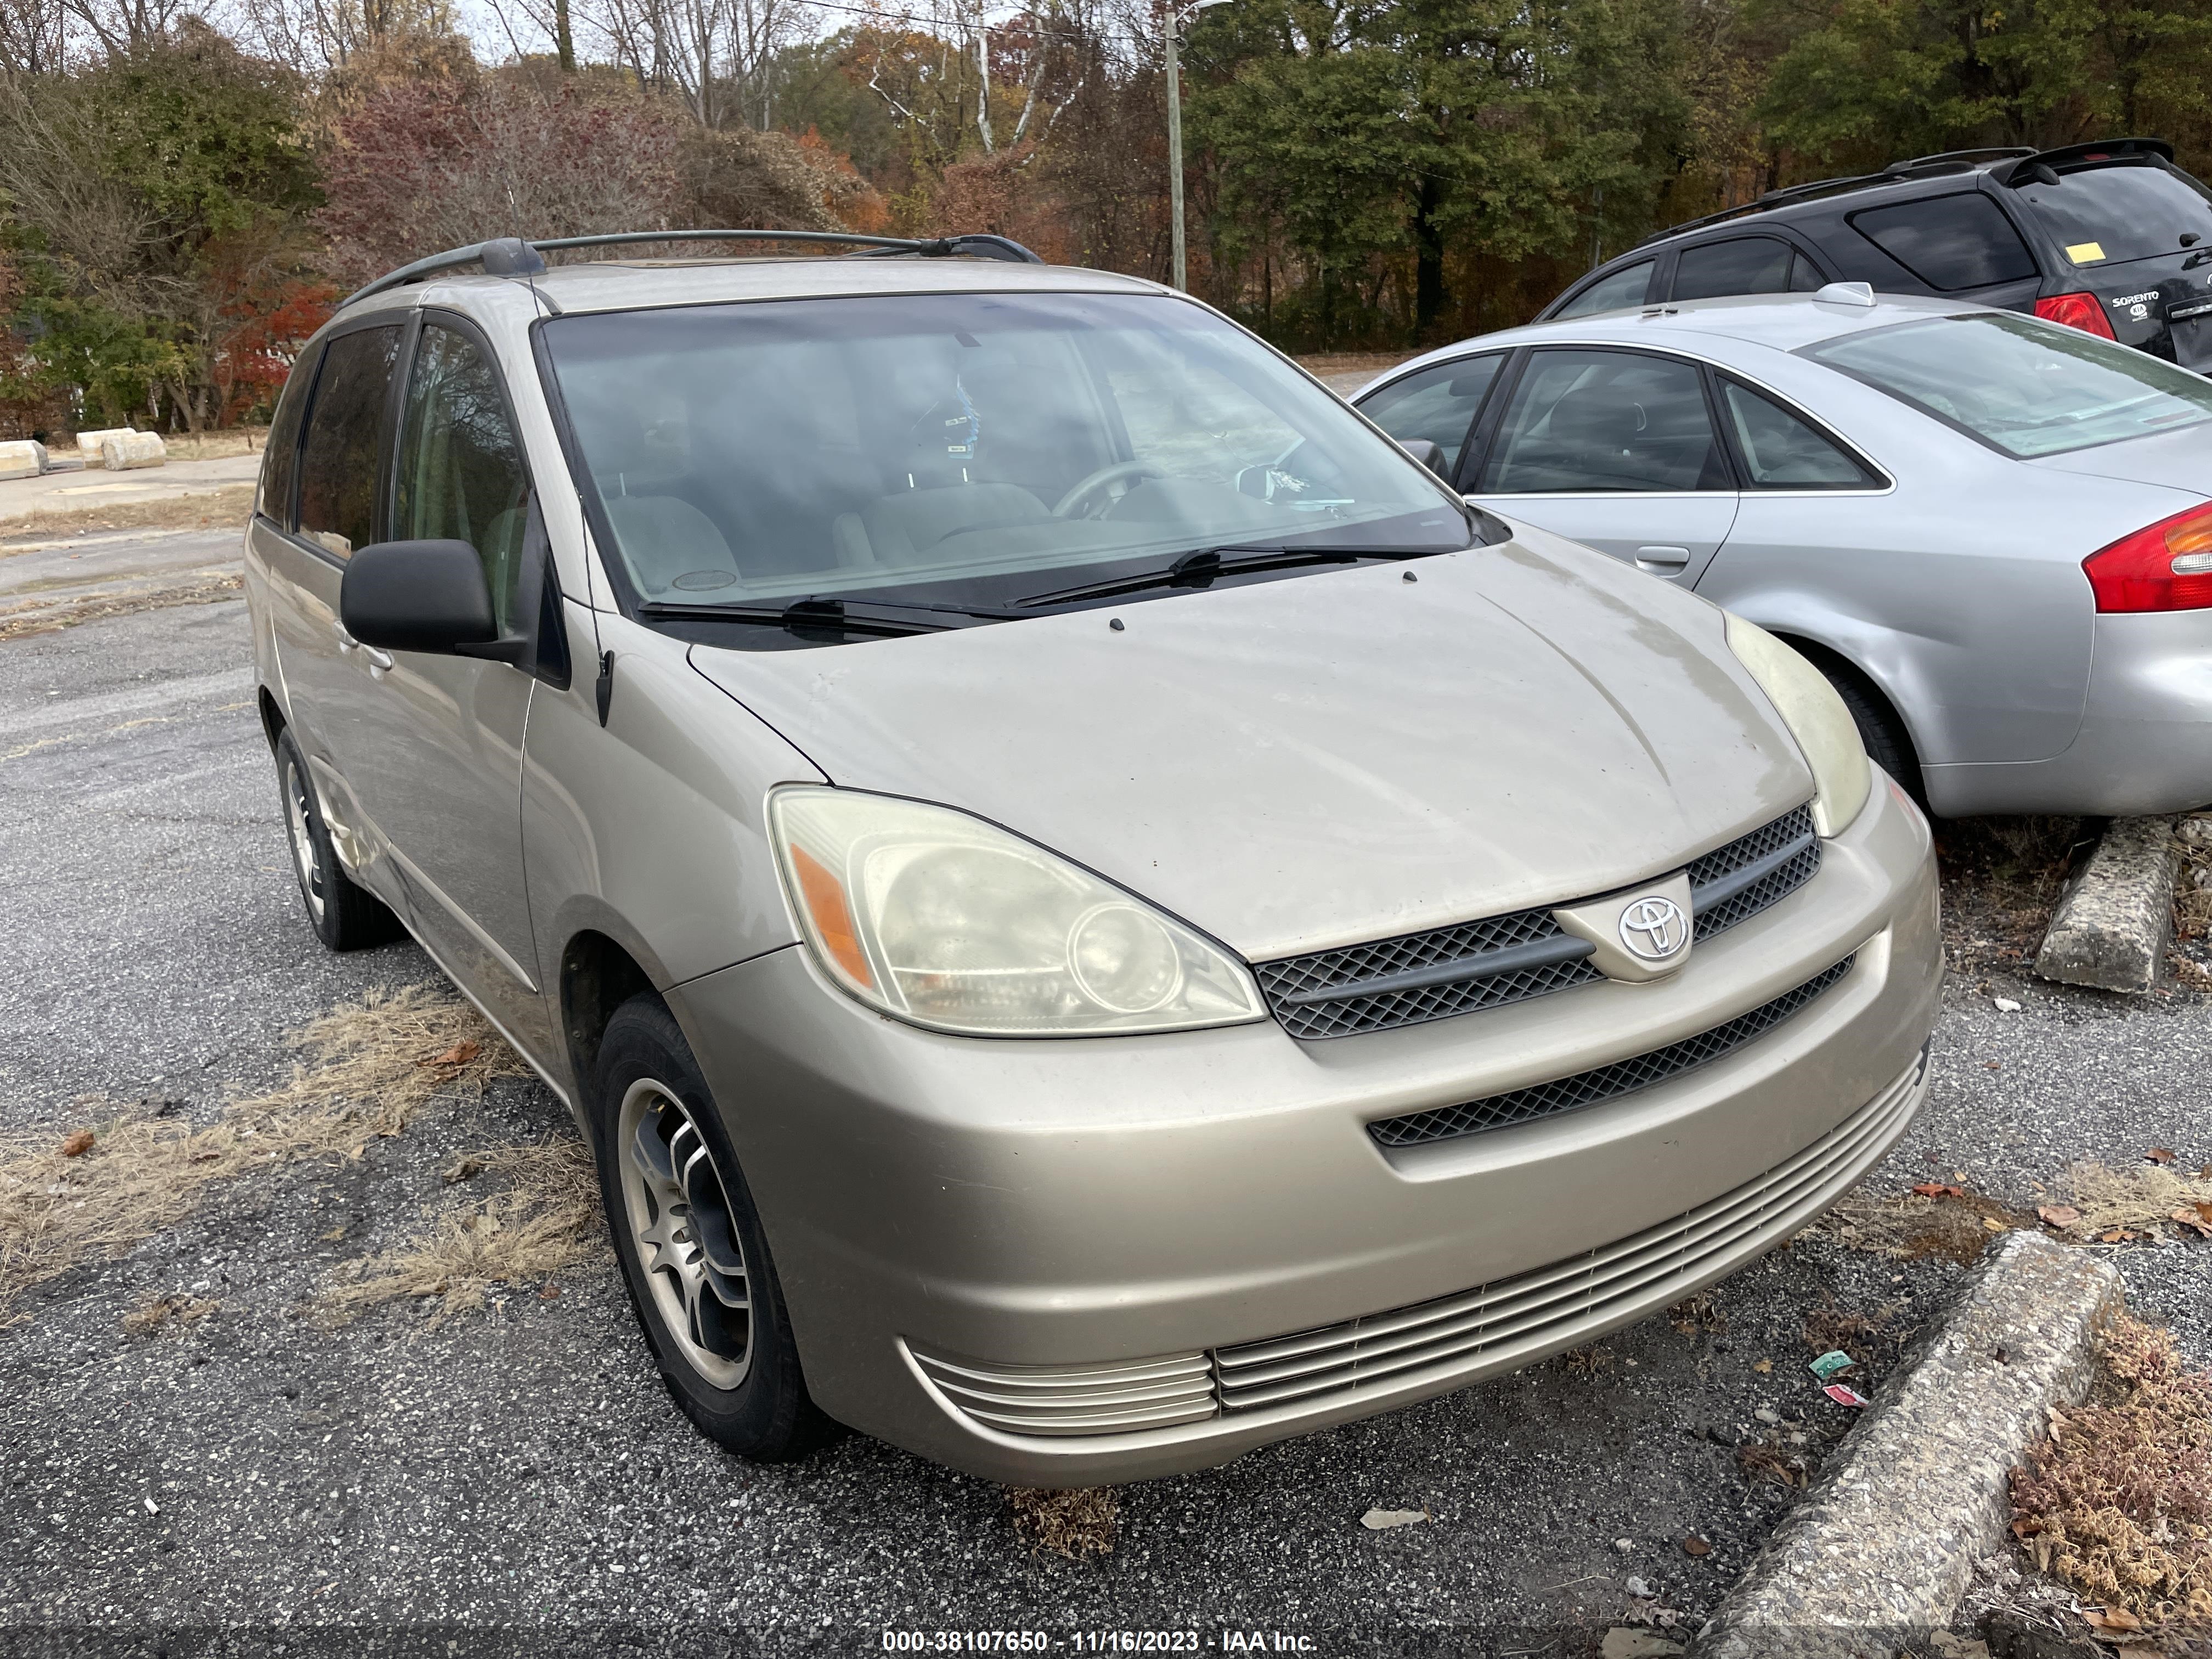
(1319, 760)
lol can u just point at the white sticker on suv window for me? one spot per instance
(2086, 253)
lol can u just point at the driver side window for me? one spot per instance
(1585, 421)
(461, 476)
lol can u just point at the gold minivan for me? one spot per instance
(1096, 915)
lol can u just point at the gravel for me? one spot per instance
(516, 1481)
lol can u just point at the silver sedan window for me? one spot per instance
(2022, 387)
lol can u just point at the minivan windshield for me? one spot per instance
(2023, 387)
(979, 449)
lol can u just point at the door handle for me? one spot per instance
(1663, 561)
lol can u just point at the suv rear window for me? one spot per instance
(2105, 215)
(2024, 387)
(1618, 292)
(1949, 242)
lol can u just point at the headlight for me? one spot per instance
(945, 920)
(1816, 717)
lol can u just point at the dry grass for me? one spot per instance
(221, 508)
(1916, 1226)
(173, 1314)
(545, 1220)
(2191, 950)
(1075, 1525)
(45, 617)
(2000, 878)
(2108, 1205)
(2118, 1503)
(367, 1069)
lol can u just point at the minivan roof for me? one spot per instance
(643, 283)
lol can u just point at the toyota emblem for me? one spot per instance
(1654, 928)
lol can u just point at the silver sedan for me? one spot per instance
(1994, 534)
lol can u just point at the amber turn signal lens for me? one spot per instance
(825, 896)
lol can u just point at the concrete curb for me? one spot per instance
(1879, 1551)
(2111, 928)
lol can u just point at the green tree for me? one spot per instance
(1865, 82)
(1371, 133)
(151, 194)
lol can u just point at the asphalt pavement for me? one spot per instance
(515, 1481)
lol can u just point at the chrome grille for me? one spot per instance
(1417, 977)
(1514, 1320)
(1118, 1398)
(1602, 1083)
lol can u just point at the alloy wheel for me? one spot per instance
(679, 1216)
(299, 818)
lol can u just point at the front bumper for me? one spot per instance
(2145, 744)
(946, 1208)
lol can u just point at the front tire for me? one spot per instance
(1888, 743)
(694, 1256)
(344, 916)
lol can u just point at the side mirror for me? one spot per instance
(1429, 453)
(420, 596)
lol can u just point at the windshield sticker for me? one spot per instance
(2086, 253)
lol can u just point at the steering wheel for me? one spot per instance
(1098, 481)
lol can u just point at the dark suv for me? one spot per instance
(2108, 237)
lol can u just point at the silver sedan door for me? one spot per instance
(436, 758)
(1616, 450)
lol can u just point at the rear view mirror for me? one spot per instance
(1429, 453)
(419, 596)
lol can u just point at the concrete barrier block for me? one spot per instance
(25, 458)
(2112, 926)
(134, 449)
(89, 443)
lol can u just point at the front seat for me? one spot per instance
(670, 545)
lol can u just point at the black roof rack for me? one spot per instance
(510, 256)
(2023, 157)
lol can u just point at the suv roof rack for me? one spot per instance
(510, 256)
(2023, 157)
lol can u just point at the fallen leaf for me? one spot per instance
(1379, 1520)
(2115, 1235)
(1993, 1065)
(1990, 1224)
(549, 1292)
(2195, 1223)
(2111, 1619)
(1694, 1544)
(2159, 1155)
(333, 1236)
(466, 1169)
(460, 1054)
(2058, 1215)
(1939, 1189)
(77, 1144)
(1762, 1366)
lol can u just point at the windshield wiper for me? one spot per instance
(826, 615)
(1200, 569)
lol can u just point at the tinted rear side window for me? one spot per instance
(341, 464)
(2104, 215)
(1949, 242)
(1619, 292)
(279, 462)
(1744, 264)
